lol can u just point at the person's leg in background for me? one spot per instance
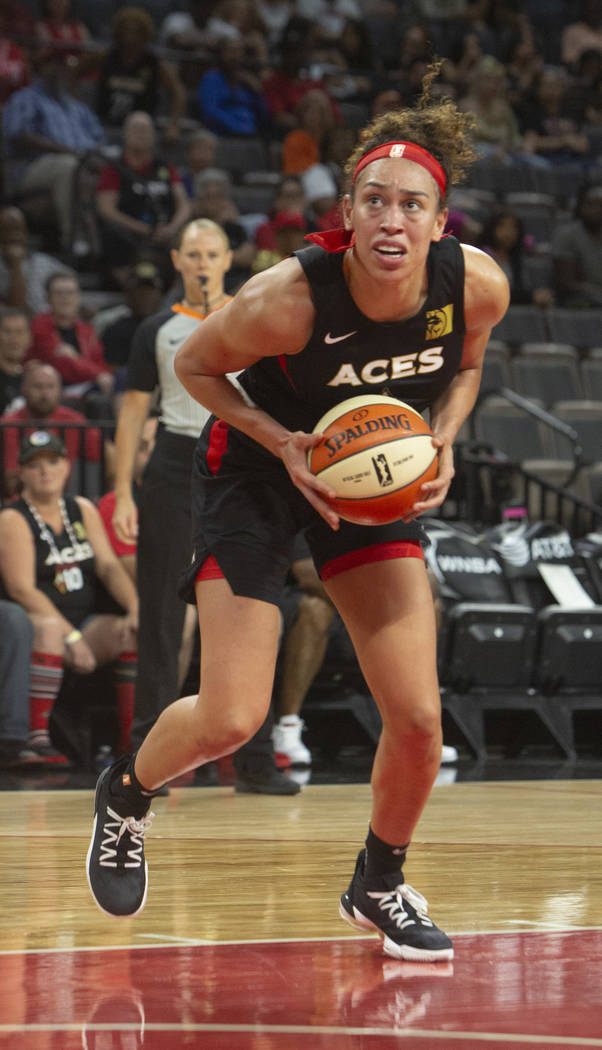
(307, 620)
(16, 641)
(162, 555)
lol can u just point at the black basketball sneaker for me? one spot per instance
(115, 864)
(398, 913)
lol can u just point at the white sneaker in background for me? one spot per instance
(448, 755)
(289, 749)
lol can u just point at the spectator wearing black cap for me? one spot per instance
(41, 391)
(53, 553)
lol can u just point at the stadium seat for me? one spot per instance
(496, 367)
(547, 371)
(522, 324)
(580, 328)
(511, 431)
(537, 212)
(586, 418)
(591, 374)
(240, 155)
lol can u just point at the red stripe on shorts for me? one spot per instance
(366, 555)
(209, 570)
(218, 441)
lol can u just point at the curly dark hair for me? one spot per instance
(435, 124)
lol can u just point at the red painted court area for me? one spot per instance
(508, 990)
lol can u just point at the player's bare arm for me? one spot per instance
(486, 298)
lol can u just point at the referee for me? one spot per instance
(161, 523)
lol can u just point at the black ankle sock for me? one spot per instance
(124, 785)
(381, 858)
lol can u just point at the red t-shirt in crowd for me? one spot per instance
(106, 509)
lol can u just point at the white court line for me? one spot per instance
(165, 940)
(313, 1030)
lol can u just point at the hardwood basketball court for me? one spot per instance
(240, 946)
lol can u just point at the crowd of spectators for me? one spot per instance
(142, 96)
(120, 124)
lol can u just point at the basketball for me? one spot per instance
(375, 454)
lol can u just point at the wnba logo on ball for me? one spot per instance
(360, 415)
(383, 471)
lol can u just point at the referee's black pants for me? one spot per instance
(164, 549)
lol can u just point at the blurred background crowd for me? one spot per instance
(122, 123)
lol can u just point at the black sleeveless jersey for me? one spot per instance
(70, 584)
(349, 355)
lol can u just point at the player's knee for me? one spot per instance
(418, 727)
(231, 731)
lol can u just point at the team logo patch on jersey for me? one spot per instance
(439, 322)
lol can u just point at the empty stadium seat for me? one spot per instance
(522, 324)
(508, 429)
(586, 418)
(239, 155)
(591, 374)
(547, 371)
(581, 328)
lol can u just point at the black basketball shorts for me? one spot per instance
(246, 512)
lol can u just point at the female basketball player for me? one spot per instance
(385, 305)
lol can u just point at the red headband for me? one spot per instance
(408, 150)
(341, 240)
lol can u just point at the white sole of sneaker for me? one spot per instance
(396, 951)
(99, 906)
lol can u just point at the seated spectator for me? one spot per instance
(42, 408)
(524, 66)
(16, 640)
(284, 88)
(213, 200)
(201, 152)
(321, 194)
(230, 96)
(62, 339)
(275, 16)
(23, 271)
(132, 77)
(496, 131)
(503, 237)
(46, 130)
(53, 554)
(583, 35)
(549, 131)
(328, 17)
(289, 228)
(184, 28)
(384, 100)
(347, 67)
(14, 68)
(288, 197)
(306, 144)
(143, 291)
(239, 20)
(583, 99)
(58, 28)
(15, 337)
(577, 251)
(139, 199)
